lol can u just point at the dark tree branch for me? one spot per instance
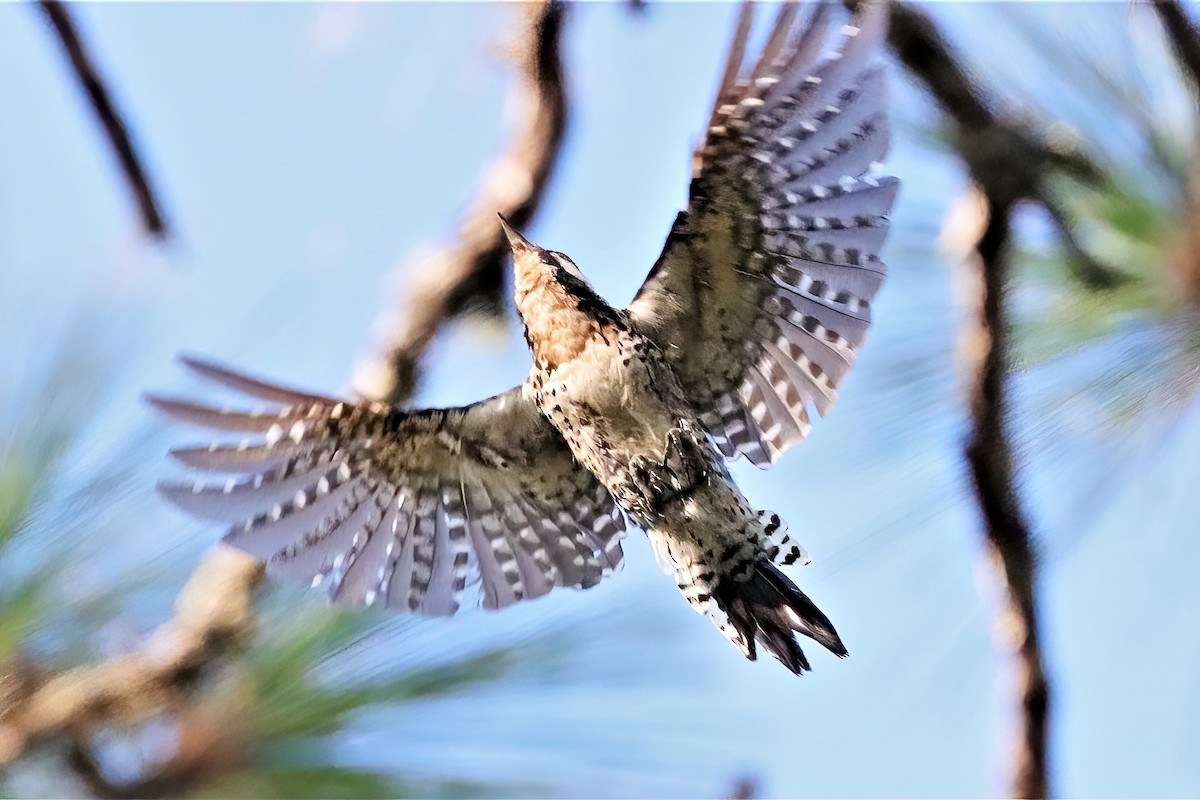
(1185, 42)
(1082, 265)
(88, 769)
(744, 788)
(470, 272)
(920, 46)
(1008, 164)
(1185, 39)
(1016, 163)
(206, 745)
(1009, 543)
(1003, 147)
(114, 126)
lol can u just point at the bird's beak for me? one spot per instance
(516, 241)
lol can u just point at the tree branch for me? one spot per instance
(214, 617)
(982, 136)
(1008, 164)
(470, 272)
(110, 120)
(1006, 154)
(1185, 39)
(1009, 544)
(1185, 42)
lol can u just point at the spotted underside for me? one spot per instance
(407, 510)
(762, 294)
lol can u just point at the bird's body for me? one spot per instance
(604, 386)
(615, 399)
(750, 317)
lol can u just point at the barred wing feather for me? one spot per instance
(763, 292)
(398, 508)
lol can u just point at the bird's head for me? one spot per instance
(536, 268)
(560, 309)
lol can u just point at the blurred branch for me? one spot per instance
(169, 783)
(1014, 162)
(983, 136)
(88, 769)
(102, 105)
(1185, 39)
(989, 455)
(1185, 42)
(214, 617)
(470, 272)
(1085, 268)
(744, 788)
(208, 741)
(920, 46)
(1008, 164)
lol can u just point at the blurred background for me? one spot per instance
(309, 158)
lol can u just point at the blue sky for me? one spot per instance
(305, 151)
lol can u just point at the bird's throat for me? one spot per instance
(555, 327)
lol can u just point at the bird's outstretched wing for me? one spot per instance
(763, 291)
(400, 508)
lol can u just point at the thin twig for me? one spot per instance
(1009, 541)
(1082, 265)
(470, 272)
(110, 119)
(214, 618)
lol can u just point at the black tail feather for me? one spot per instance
(809, 620)
(768, 607)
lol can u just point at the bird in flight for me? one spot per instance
(748, 322)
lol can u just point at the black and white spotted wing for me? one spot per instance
(762, 294)
(404, 509)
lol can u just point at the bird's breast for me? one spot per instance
(619, 408)
(607, 388)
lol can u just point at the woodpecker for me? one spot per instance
(751, 317)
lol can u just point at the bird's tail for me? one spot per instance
(745, 594)
(766, 607)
